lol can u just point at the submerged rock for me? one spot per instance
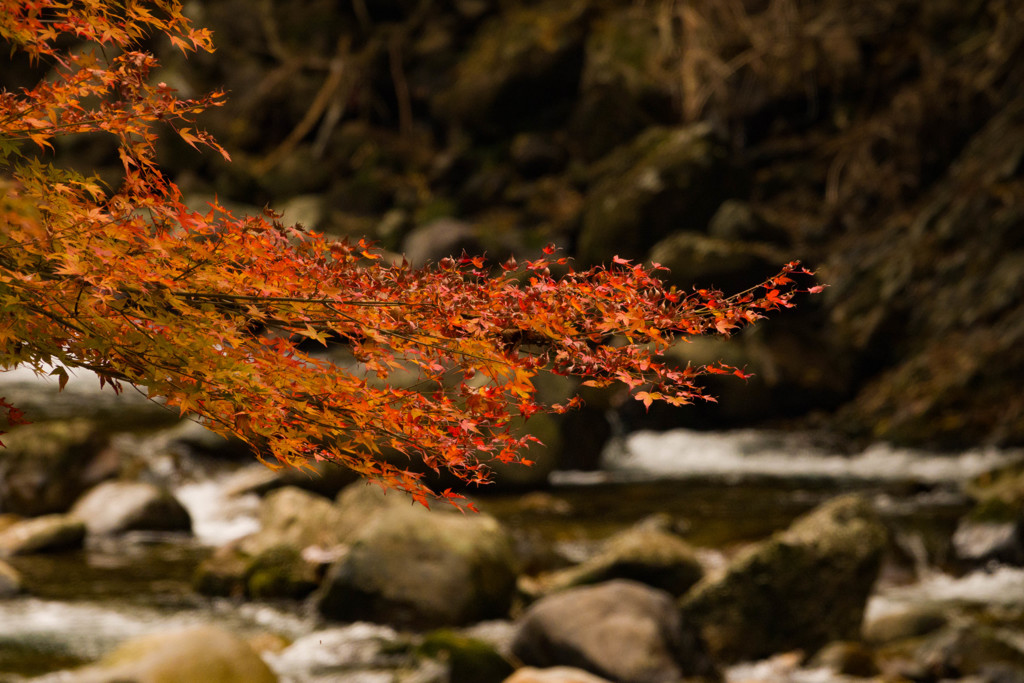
(116, 507)
(804, 587)
(621, 630)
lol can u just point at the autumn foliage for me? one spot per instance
(210, 312)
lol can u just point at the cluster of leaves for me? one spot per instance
(211, 312)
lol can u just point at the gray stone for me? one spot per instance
(115, 507)
(290, 516)
(804, 587)
(49, 533)
(621, 630)
(409, 566)
(280, 572)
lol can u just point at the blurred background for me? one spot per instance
(879, 142)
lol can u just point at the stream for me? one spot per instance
(726, 489)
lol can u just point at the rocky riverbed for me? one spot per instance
(736, 556)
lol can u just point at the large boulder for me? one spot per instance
(116, 507)
(200, 654)
(46, 466)
(46, 534)
(668, 179)
(804, 587)
(620, 630)
(409, 566)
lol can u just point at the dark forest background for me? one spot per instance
(880, 142)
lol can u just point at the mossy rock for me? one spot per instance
(800, 589)
(470, 660)
(280, 572)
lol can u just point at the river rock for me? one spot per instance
(115, 507)
(409, 566)
(291, 516)
(804, 587)
(280, 572)
(469, 659)
(648, 553)
(556, 674)
(46, 466)
(978, 542)
(46, 534)
(846, 658)
(10, 581)
(910, 621)
(621, 630)
(668, 179)
(200, 654)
